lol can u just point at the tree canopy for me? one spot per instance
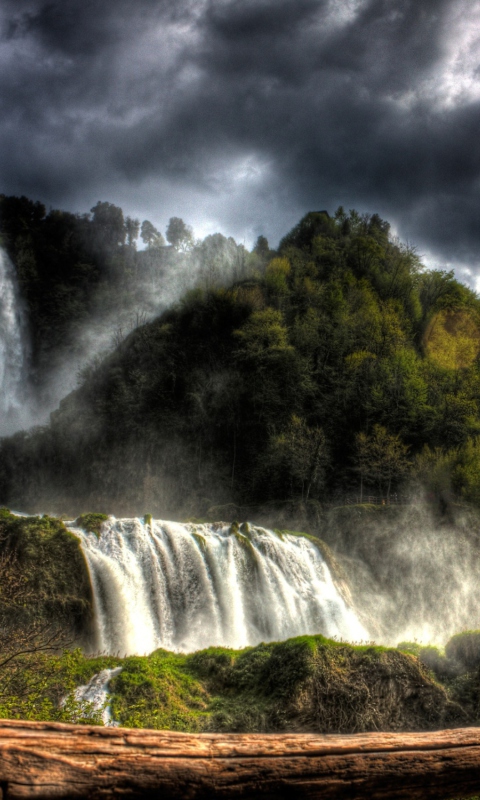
(327, 368)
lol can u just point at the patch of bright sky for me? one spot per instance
(235, 185)
(459, 78)
(243, 172)
(467, 275)
(340, 14)
(464, 273)
(453, 81)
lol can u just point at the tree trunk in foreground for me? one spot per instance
(51, 760)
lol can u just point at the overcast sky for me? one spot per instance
(241, 115)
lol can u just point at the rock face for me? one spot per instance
(51, 760)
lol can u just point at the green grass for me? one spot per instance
(305, 683)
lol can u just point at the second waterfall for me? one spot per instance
(186, 587)
(14, 349)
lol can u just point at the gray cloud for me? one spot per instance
(240, 115)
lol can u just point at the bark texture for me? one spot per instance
(43, 760)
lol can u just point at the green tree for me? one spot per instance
(150, 235)
(315, 223)
(179, 235)
(132, 228)
(299, 456)
(380, 459)
(276, 276)
(219, 259)
(263, 334)
(109, 224)
(261, 247)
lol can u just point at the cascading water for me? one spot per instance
(95, 694)
(13, 348)
(186, 587)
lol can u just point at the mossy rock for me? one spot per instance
(200, 540)
(246, 544)
(50, 557)
(91, 523)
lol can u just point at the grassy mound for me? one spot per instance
(41, 686)
(457, 667)
(304, 684)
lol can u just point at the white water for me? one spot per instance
(96, 694)
(186, 587)
(13, 349)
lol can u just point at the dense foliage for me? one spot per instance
(342, 367)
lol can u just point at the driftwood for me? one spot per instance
(51, 760)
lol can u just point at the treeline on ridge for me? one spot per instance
(74, 269)
(335, 366)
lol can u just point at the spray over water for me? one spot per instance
(186, 587)
(414, 576)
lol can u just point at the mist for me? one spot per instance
(157, 279)
(414, 576)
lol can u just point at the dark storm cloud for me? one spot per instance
(258, 109)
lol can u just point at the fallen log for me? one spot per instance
(44, 760)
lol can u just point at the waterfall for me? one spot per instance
(185, 587)
(13, 349)
(96, 694)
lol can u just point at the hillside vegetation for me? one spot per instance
(304, 684)
(342, 367)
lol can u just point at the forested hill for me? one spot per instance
(341, 366)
